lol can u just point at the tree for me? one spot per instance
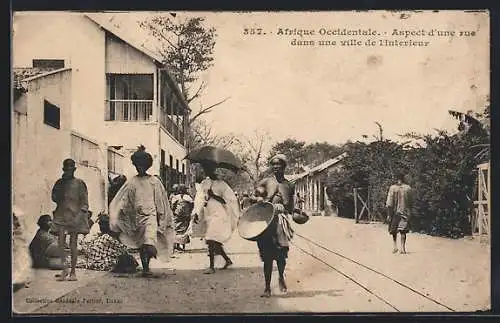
(202, 134)
(441, 170)
(301, 156)
(294, 151)
(253, 154)
(187, 49)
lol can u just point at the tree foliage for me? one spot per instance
(441, 170)
(203, 134)
(302, 156)
(187, 47)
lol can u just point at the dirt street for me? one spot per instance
(453, 272)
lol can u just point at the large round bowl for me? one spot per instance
(255, 220)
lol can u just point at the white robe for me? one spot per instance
(220, 219)
(21, 261)
(141, 213)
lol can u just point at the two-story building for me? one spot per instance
(96, 97)
(120, 90)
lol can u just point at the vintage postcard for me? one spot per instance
(250, 162)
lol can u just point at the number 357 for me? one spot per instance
(252, 31)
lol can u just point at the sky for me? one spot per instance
(337, 93)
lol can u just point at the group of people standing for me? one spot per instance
(143, 217)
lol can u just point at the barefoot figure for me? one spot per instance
(399, 208)
(218, 206)
(141, 213)
(182, 206)
(71, 215)
(274, 242)
(44, 248)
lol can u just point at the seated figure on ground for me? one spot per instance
(105, 252)
(44, 248)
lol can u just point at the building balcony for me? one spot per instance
(129, 110)
(142, 111)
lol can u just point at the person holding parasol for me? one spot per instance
(215, 201)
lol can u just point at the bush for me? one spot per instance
(441, 174)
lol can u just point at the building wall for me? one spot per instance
(81, 43)
(121, 58)
(89, 78)
(130, 135)
(95, 176)
(39, 149)
(174, 148)
(313, 192)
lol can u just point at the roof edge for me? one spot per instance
(142, 49)
(35, 77)
(331, 162)
(156, 58)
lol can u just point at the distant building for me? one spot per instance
(310, 186)
(84, 91)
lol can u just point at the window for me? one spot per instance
(84, 151)
(114, 162)
(130, 97)
(51, 115)
(48, 63)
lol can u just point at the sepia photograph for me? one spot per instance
(218, 162)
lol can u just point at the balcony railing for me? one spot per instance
(176, 131)
(129, 110)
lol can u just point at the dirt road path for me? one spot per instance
(453, 272)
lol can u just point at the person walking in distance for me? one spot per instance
(71, 214)
(399, 206)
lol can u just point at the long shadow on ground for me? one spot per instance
(235, 290)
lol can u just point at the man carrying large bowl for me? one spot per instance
(274, 242)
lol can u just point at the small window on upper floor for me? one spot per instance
(48, 63)
(51, 115)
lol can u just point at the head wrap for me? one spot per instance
(281, 158)
(141, 157)
(43, 219)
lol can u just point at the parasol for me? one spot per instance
(222, 157)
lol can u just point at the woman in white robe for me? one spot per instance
(218, 207)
